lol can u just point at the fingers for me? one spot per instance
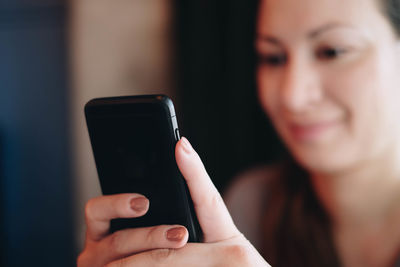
(99, 211)
(231, 253)
(131, 241)
(211, 211)
(190, 255)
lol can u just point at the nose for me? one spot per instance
(300, 86)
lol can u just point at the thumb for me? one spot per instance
(213, 216)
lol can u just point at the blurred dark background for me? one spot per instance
(36, 197)
(216, 81)
(214, 89)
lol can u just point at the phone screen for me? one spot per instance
(135, 153)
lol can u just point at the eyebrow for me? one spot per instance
(313, 34)
(325, 28)
(268, 39)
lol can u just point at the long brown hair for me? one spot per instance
(391, 10)
(297, 229)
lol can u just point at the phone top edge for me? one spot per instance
(152, 98)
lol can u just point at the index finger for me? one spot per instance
(100, 210)
(213, 216)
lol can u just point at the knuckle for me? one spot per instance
(216, 199)
(89, 207)
(150, 236)
(238, 254)
(161, 256)
(80, 261)
(85, 259)
(116, 241)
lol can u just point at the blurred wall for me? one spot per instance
(35, 168)
(117, 48)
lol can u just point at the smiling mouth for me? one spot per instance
(308, 132)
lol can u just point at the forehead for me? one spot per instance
(302, 15)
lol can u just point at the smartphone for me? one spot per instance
(133, 141)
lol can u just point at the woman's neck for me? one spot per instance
(364, 206)
(367, 193)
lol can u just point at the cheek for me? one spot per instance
(267, 92)
(365, 91)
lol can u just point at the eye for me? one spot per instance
(272, 59)
(328, 53)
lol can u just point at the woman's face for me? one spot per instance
(328, 77)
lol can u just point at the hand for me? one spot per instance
(223, 243)
(102, 248)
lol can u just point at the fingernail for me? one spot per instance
(176, 234)
(186, 145)
(139, 204)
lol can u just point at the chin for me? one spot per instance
(320, 165)
(323, 160)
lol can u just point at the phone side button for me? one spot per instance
(177, 135)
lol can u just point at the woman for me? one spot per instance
(328, 78)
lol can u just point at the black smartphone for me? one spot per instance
(133, 140)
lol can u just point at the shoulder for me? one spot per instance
(251, 183)
(246, 199)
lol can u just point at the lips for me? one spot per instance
(311, 131)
